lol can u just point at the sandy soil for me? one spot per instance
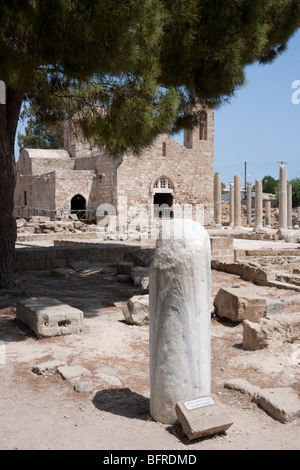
(45, 412)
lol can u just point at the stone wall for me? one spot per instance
(127, 182)
(222, 248)
(189, 171)
(27, 259)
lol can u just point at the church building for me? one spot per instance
(167, 180)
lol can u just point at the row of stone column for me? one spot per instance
(285, 202)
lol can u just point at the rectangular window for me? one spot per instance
(25, 198)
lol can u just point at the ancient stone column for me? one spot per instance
(268, 213)
(179, 318)
(298, 213)
(217, 200)
(237, 201)
(231, 208)
(289, 206)
(282, 197)
(249, 203)
(258, 204)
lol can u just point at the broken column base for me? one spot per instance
(202, 416)
(49, 317)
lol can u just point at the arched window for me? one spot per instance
(203, 126)
(163, 198)
(163, 183)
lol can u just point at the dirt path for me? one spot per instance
(45, 412)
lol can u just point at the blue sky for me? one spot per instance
(261, 125)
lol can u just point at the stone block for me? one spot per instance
(72, 372)
(239, 304)
(49, 317)
(284, 328)
(124, 267)
(202, 416)
(281, 403)
(137, 310)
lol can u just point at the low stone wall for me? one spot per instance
(27, 259)
(222, 248)
(240, 255)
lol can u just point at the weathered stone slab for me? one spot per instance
(137, 310)
(281, 403)
(49, 317)
(284, 328)
(72, 372)
(239, 304)
(242, 386)
(202, 416)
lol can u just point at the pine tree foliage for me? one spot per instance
(127, 68)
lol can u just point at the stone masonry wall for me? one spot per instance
(190, 171)
(27, 259)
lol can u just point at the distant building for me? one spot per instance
(164, 179)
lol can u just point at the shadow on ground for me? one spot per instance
(123, 402)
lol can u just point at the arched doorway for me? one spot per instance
(78, 206)
(163, 198)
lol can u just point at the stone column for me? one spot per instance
(258, 204)
(179, 318)
(249, 203)
(298, 214)
(231, 208)
(237, 201)
(289, 206)
(282, 197)
(268, 213)
(217, 200)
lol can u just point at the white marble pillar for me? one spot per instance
(289, 206)
(217, 200)
(258, 204)
(249, 203)
(282, 197)
(231, 205)
(237, 201)
(268, 213)
(179, 318)
(298, 214)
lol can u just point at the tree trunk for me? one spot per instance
(9, 115)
